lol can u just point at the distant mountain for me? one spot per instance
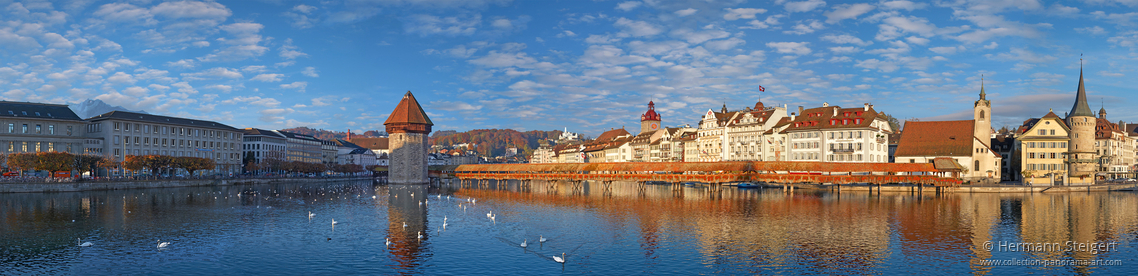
(91, 108)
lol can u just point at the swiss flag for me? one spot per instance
(761, 89)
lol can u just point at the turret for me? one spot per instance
(407, 128)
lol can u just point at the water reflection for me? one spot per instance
(619, 229)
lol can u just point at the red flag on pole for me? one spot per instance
(761, 89)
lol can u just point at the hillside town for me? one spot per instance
(1076, 148)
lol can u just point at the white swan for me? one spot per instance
(541, 239)
(310, 214)
(420, 235)
(388, 241)
(525, 243)
(84, 244)
(560, 259)
(334, 222)
(491, 213)
(162, 244)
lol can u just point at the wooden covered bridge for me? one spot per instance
(711, 173)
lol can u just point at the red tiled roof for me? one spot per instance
(938, 138)
(408, 111)
(611, 134)
(371, 143)
(824, 118)
(1030, 123)
(1104, 129)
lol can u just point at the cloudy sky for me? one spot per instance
(544, 65)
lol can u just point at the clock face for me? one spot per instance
(654, 126)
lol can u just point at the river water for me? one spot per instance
(266, 230)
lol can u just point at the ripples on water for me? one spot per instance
(265, 229)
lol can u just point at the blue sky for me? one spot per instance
(545, 65)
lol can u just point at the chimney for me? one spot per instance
(792, 115)
(349, 135)
(800, 110)
(866, 107)
(835, 111)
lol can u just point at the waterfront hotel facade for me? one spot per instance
(129, 133)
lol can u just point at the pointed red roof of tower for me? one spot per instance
(408, 112)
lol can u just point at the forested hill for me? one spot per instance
(331, 135)
(493, 142)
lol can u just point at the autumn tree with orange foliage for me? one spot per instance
(22, 161)
(193, 164)
(157, 162)
(54, 161)
(134, 163)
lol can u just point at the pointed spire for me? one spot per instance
(1081, 108)
(982, 94)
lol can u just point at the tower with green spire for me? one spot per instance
(982, 113)
(1081, 157)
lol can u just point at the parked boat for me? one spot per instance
(747, 185)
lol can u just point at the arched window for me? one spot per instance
(981, 114)
(976, 166)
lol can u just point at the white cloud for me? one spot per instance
(902, 5)
(454, 106)
(946, 50)
(289, 51)
(299, 15)
(299, 86)
(685, 12)
(845, 50)
(847, 11)
(804, 6)
(310, 71)
(213, 73)
(628, 6)
(846, 39)
(725, 44)
(1092, 30)
(741, 13)
(797, 48)
(244, 40)
(184, 64)
(801, 29)
(268, 77)
(253, 100)
(328, 100)
(637, 28)
(992, 45)
(496, 59)
(917, 40)
(425, 25)
(697, 37)
(883, 66)
(253, 68)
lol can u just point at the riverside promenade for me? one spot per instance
(41, 187)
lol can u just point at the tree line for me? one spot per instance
(493, 142)
(66, 162)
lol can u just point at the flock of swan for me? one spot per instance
(387, 241)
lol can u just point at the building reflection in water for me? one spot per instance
(407, 250)
(850, 232)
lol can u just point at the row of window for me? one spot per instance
(1047, 155)
(14, 146)
(147, 141)
(1046, 145)
(143, 128)
(1048, 167)
(201, 154)
(39, 129)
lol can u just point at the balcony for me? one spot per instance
(842, 150)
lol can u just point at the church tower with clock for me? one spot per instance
(650, 121)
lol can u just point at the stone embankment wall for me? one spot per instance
(146, 184)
